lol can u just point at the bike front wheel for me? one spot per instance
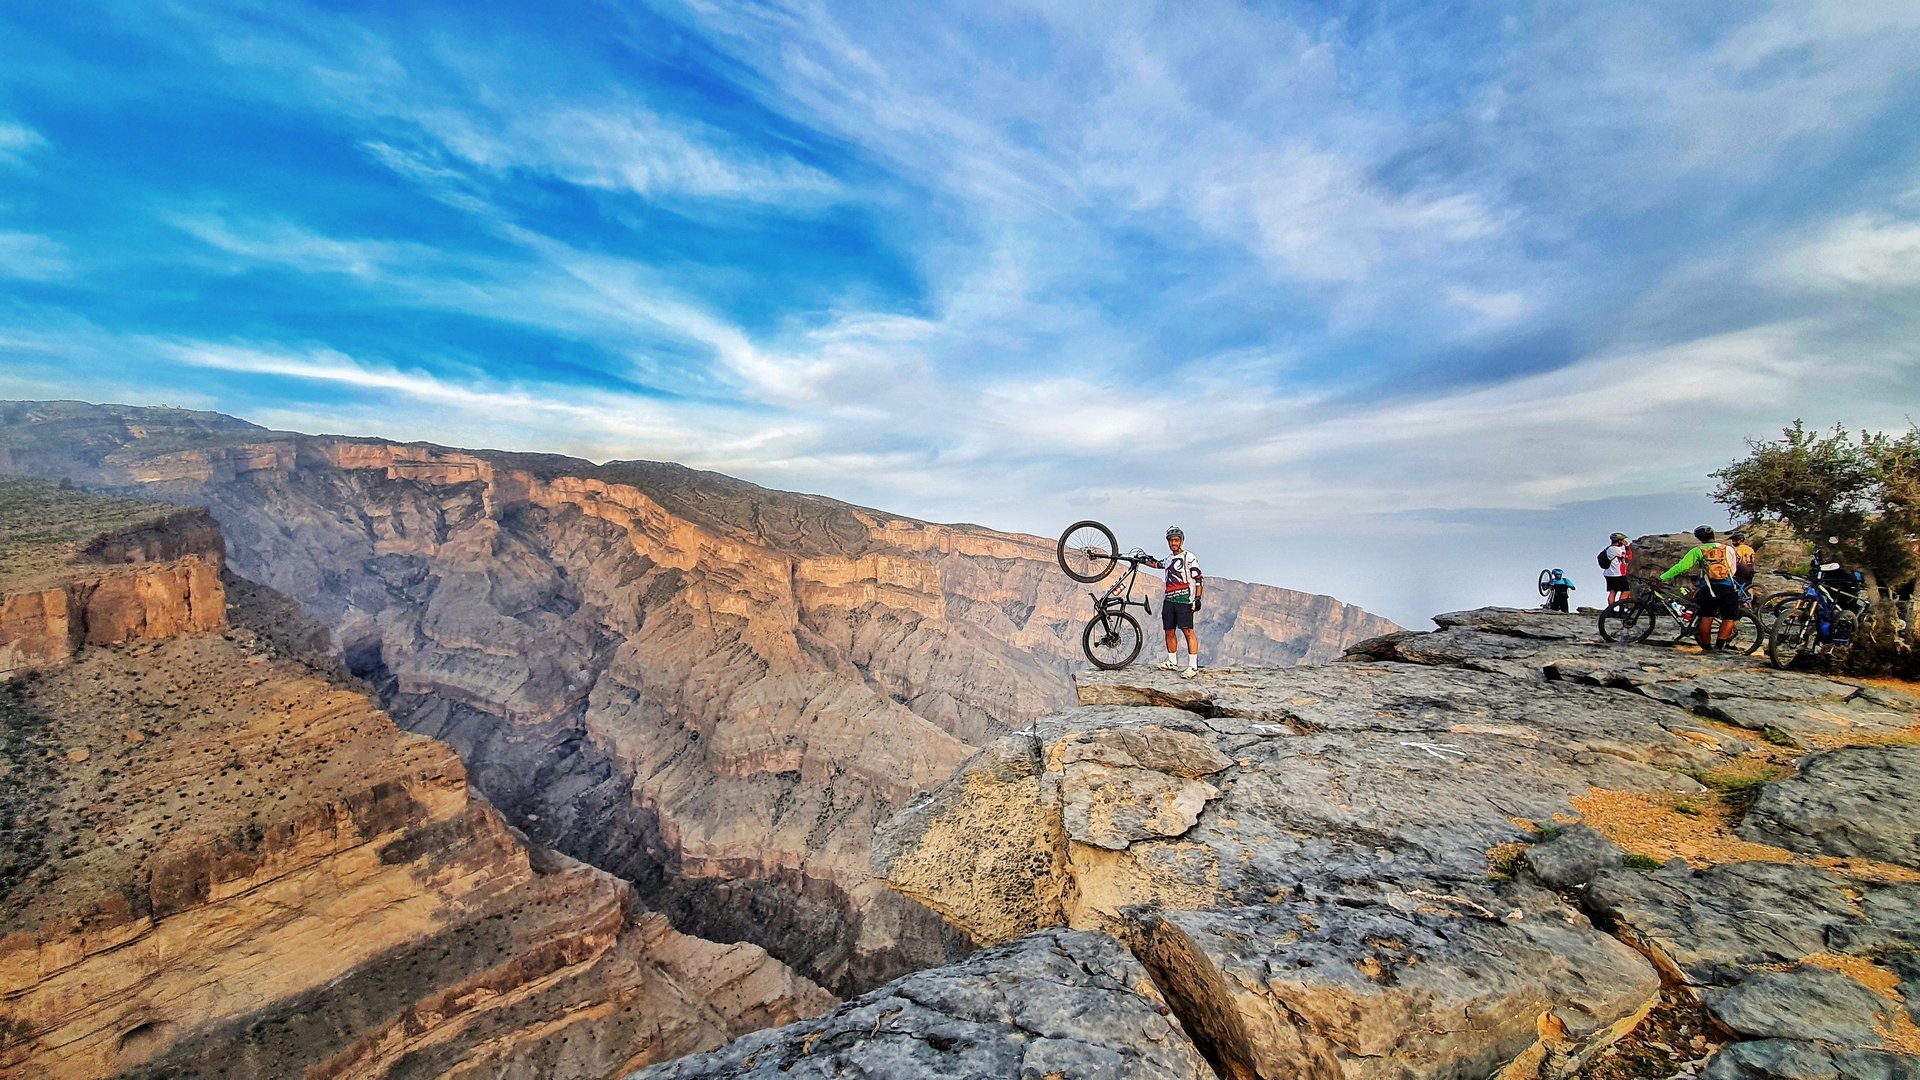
(1111, 640)
(1087, 551)
(1793, 632)
(1546, 581)
(1626, 622)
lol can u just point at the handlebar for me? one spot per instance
(1136, 557)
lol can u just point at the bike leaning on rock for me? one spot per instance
(1088, 553)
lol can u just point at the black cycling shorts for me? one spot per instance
(1176, 616)
(1618, 583)
(1720, 601)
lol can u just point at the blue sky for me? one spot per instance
(1397, 302)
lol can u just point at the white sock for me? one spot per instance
(1173, 658)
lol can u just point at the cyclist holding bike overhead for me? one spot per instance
(1185, 583)
(1719, 596)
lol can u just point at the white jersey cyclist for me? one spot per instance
(1182, 570)
(1185, 587)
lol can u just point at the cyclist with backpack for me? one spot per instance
(1185, 583)
(1719, 597)
(1743, 555)
(1615, 561)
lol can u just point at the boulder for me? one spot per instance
(1054, 1004)
(1810, 1002)
(1786, 1059)
(1392, 982)
(1710, 927)
(1571, 857)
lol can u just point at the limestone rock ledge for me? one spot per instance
(1320, 903)
(1053, 1004)
(220, 860)
(1331, 871)
(78, 569)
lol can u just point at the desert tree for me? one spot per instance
(1864, 489)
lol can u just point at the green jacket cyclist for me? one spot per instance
(1718, 597)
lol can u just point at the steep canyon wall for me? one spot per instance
(221, 857)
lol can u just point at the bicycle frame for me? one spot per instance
(1119, 595)
(1819, 600)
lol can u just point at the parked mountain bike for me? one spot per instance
(1822, 619)
(1630, 621)
(1088, 552)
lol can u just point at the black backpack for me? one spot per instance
(1605, 563)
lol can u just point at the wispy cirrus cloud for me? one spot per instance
(27, 257)
(16, 140)
(1296, 275)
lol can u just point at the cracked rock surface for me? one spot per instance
(1055, 1004)
(1385, 867)
(1860, 801)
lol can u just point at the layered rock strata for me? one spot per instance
(1408, 864)
(220, 859)
(97, 571)
(713, 690)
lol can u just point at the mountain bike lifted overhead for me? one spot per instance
(1088, 552)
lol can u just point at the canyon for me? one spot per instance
(222, 858)
(713, 692)
(752, 750)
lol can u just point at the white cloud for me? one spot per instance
(286, 244)
(1497, 307)
(622, 146)
(16, 140)
(1875, 252)
(27, 257)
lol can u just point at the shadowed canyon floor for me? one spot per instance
(1453, 854)
(715, 691)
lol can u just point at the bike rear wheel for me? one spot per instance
(1627, 622)
(1111, 640)
(1546, 581)
(1793, 631)
(1087, 551)
(1749, 633)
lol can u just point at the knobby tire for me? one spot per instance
(1627, 622)
(1791, 627)
(1112, 640)
(1087, 551)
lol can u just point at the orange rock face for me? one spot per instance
(155, 580)
(226, 859)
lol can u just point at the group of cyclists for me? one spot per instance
(1726, 571)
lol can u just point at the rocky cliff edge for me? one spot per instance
(95, 570)
(1500, 848)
